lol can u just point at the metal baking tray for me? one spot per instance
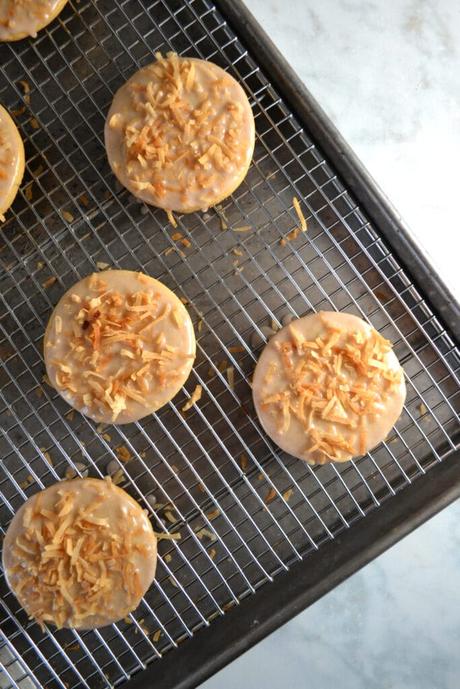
(279, 532)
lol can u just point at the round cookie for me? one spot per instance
(80, 554)
(328, 387)
(22, 18)
(12, 161)
(180, 134)
(118, 346)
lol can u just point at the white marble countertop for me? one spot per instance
(387, 73)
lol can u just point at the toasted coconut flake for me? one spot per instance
(195, 397)
(162, 536)
(287, 494)
(27, 191)
(213, 514)
(231, 377)
(49, 282)
(300, 215)
(28, 482)
(177, 317)
(47, 456)
(244, 462)
(291, 236)
(203, 532)
(18, 111)
(68, 217)
(171, 218)
(243, 228)
(123, 454)
(118, 477)
(270, 496)
(170, 517)
(26, 88)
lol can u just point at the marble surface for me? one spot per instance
(387, 75)
(393, 625)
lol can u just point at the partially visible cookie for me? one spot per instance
(118, 346)
(328, 387)
(80, 554)
(12, 161)
(180, 134)
(22, 18)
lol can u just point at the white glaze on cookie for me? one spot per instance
(328, 387)
(81, 554)
(180, 134)
(118, 346)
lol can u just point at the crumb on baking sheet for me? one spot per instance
(67, 215)
(123, 454)
(300, 215)
(28, 482)
(195, 397)
(244, 462)
(171, 218)
(203, 532)
(231, 377)
(271, 495)
(26, 90)
(213, 514)
(49, 282)
(164, 536)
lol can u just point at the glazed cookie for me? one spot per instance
(328, 387)
(21, 18)
(118, 346)
(180, 134)
(11, 161)
(80, 554)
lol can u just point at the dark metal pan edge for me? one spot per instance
(291, 592)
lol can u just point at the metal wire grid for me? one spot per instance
(213, 466)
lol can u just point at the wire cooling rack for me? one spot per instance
(211, 467)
